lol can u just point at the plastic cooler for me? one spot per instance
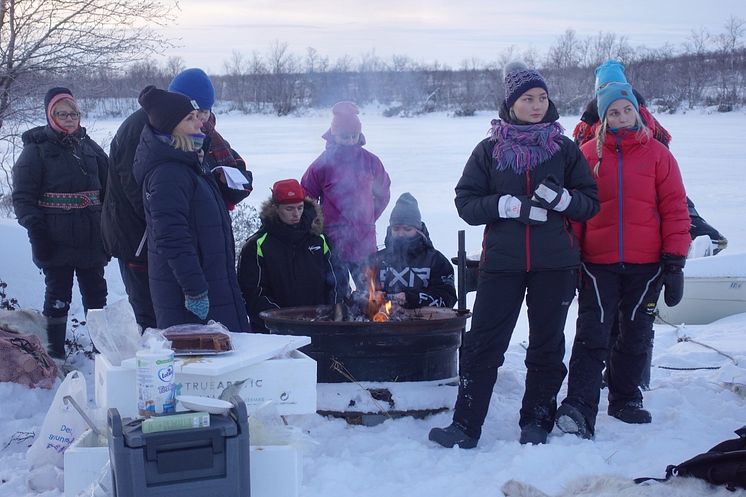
(197, 462)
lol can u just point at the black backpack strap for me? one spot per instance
(670, 472)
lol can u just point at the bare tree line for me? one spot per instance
(705, 69)
(102, 50)
(51, 40)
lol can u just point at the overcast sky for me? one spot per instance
(448, 31)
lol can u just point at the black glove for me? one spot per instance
(551, 195)
(673, 279)
(521, 208)
(42, 248)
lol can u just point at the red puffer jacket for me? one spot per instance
(643, 202)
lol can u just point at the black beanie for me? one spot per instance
(406, 212)
(518, 80)
(165, 109)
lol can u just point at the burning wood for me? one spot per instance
(367, 305)
(384, 313)
(379, 308)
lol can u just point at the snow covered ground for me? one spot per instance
(692, 410)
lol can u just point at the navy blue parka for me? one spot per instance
(190, 239)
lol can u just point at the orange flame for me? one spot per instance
(379, 309)
(384, 313)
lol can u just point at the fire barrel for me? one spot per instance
(421, 348)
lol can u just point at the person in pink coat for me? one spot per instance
(352, 187)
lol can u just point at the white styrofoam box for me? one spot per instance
(115, 386)
(289, 382)
(84, 461)
(275, 470)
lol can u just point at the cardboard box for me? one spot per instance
(275, 470)
(289, 382)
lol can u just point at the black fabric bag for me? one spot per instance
(724, 464)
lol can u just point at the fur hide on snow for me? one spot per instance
(614, 486)
(25, 322)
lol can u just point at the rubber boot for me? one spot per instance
(56, 333)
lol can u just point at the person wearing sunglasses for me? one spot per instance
(58, 186)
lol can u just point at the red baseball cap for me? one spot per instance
(288, 191)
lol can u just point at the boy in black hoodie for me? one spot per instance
(409, 270)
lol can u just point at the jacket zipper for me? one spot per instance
(620, 189)
(528, 231)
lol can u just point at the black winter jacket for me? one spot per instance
(509, 244)
(53, 162)
(414, 267)
(288, 266)
(123, 216)
(190, 239)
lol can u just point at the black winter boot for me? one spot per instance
(56, 333)
(571, 420)
(472, 403)
(533, 434)
(631, 413)
(452, 435)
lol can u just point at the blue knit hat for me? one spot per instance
(611, 70)
(195, 84)
(518, 80)
(612, 85)
(611, 93)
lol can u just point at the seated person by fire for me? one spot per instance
(289, 262)
(409, 272)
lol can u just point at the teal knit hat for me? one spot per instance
(612, 85)
(611, 70)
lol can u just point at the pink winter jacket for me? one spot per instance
(353, 188)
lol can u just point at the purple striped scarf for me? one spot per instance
(521, 147)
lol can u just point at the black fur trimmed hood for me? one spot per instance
(311, 221)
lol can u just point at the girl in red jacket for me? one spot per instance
(634, 246)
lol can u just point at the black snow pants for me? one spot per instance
(498, 303)
(59, 294)
(137, 286)
(631, 291)
(59, 289)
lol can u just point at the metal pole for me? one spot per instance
(461, 256)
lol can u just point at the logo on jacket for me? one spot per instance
(406, 276)
(314, 248)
